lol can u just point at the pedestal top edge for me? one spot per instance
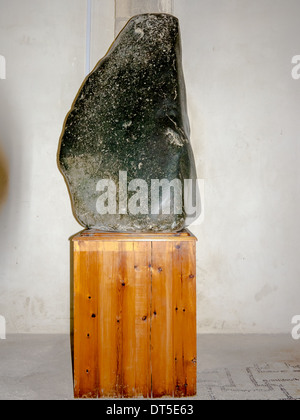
(96, 235)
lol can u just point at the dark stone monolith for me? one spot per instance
(127, 134)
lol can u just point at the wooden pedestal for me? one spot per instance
(134, 315)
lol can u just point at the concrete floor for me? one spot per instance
(230, 367)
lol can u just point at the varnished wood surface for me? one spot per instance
(134, 316)
(95, 235)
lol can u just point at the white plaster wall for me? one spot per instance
(125, 9)
(243, 106)
(244, 112)
(44, 44)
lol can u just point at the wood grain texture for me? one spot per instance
(92, 235)
(134, 316)
(86, 325)
(162, 328)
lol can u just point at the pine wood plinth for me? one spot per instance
(134, 315)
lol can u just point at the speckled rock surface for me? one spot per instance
(130, 116)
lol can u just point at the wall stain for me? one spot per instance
(265, 292)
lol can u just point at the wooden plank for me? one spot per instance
(184, 270)
(162, 349)
(189, 305)
(109, 385)
(127, 281)
(85, 324)
(178, 321)
(120, 283)
(78, 351)
(134, 322)
(93, 235)
(142, 274)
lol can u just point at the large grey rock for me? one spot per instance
(129, 125)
